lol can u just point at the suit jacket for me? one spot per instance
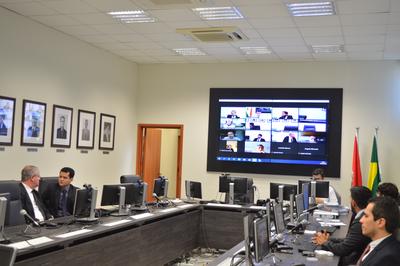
(286, 139)
(387, 253)
(351, 247)
(33, 132)
(3, 130)
(61, 133)
(27, 204)
(261, 139)
(51, 198)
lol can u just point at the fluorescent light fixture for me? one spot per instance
(303, 9)
(255, 50)
(189, 51)
(327, 48)
(132, 16)
(218, 13)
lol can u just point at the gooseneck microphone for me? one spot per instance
(26, 214)
(156, 197)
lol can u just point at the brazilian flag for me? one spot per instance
(374, 177)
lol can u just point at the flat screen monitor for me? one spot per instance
(161, 186)
(261, 238)
(299, 199)
(129, 179)
(278, 218)
(275, 131)
(7, 255)
(82, 203)
(3, 211)
(321, 189)
(288, 190)
(193, 189)
(240, 184)
(111, 194)
(306, 196)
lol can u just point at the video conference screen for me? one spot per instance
(280, 131)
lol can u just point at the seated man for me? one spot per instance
(30, 198)
(380, 221)
(59, 197)
(351, 247)
(334, 197)
(388, 190)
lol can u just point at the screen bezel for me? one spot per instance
(334, 129)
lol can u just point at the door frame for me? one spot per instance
(139, 150)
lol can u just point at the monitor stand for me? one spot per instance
(91, 218)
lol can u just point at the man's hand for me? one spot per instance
(320, 238)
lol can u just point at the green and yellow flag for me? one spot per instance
(374, 177)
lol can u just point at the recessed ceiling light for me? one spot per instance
(189, 51)
(304, 9)
(133, 16)
(327, 48)
(218, 13)
(255, 50)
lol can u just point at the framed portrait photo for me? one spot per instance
(107, 132)
(61, 126)
(86, 127)
(33, 123)
(7, 113)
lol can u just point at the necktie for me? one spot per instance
(62, 205)
(366, 250)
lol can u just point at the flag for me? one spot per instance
(374, 177)
(357, 176)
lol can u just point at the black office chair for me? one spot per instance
(129, 179)
(11, 190)
(45, 182)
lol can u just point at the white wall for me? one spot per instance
(179, 94)
(41, 64)
(169, 158)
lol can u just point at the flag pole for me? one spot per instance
(376, 137)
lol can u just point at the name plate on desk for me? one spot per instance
(74, 233)
(39, 240)
(260, 208)
(117, 223)
(169, 210)
(224, 205)
(184, 206)
(141, 216)
(20, 245)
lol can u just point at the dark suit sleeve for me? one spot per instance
(354, 241)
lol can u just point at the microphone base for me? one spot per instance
(30, 230)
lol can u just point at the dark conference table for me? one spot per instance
(153, 238)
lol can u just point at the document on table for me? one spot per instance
(39, 240)
(142, 215)
(184, 206)
(20, 245)
(169, 210)
(224, 205)
(117, 222)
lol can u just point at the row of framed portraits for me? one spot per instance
(34, 124)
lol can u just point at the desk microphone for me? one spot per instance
(25, 213)
(156, 197)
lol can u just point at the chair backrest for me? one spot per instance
(45, 182)
(14, 206)
(129, 179)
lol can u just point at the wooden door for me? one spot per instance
(151, 158)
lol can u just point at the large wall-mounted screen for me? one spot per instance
(275, 131)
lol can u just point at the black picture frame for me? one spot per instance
(7, 115)
(61, 126)
(33, 125)
(86, 129)
(107, 132)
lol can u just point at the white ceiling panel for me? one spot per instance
(30, 8)
(368, 29)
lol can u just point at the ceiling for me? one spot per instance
(368, 29)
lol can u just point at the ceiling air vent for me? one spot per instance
(214, 34)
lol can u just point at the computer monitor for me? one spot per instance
(288, 189)
(193, 189)
(278, 218)
(261, 238)
(306, 195)
(129, 179)
(161, 186)
(3, 210)
(85, 204)
(321, 188)
(299, 203)
(45, 182)
(7, 255)
(242, 187)
(121, 195)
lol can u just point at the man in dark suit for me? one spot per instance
(380, 222)
(351, 247)
(259, 138)
(30, 198)
(61, 131)
(285, 115)
(3, 127)
(291, 138)
(59, 197)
